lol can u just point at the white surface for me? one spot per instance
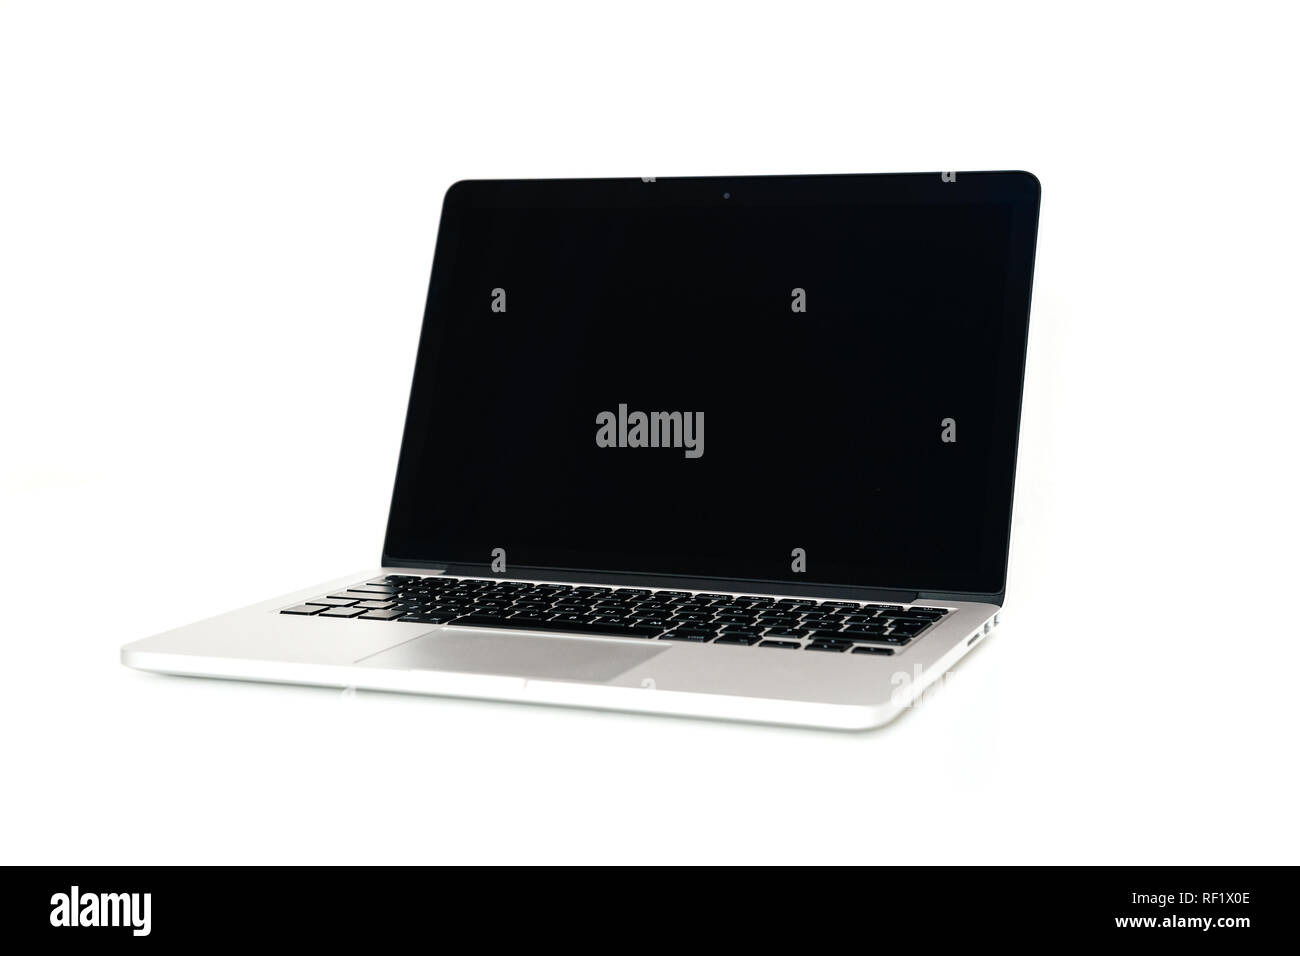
(215, 232)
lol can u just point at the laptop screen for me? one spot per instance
(787, 379)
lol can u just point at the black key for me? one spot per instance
(838, 647)
(333, 602)
(432, 617)
(930, 610)
(350, 598)
(912, 629)
(375, 605)
(673, 594)
(732, 638)
(571, 618)
(699, 637)
(305, 609)
(369, 589)
(631, 592)
(694, 629)
(342, 612)
(380, 615)
(873, 650)
(783, 635)
(603, 630)
(852, 635)
(518, 620)
(839, 604)
(853, 619)
(625, 629)
(789, 644)
(795, 602)
(742, 632)
(884, 607)
(823, 633)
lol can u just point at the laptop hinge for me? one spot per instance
(624, 579)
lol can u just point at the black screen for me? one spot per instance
(843, 355)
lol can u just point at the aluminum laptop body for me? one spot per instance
(737, 448)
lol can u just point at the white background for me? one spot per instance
(216, 223)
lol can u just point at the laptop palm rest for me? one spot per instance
(491, 652)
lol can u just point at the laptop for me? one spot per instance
(726, 447)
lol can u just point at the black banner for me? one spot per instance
(234, 905)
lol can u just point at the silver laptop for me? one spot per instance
(739, 448)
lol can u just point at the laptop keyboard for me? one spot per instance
(650, 614)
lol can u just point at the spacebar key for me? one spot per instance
(573, 627)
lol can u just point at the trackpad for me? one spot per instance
(490, 652)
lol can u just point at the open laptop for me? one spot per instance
(725, 447)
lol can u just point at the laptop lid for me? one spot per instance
(798, 384)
